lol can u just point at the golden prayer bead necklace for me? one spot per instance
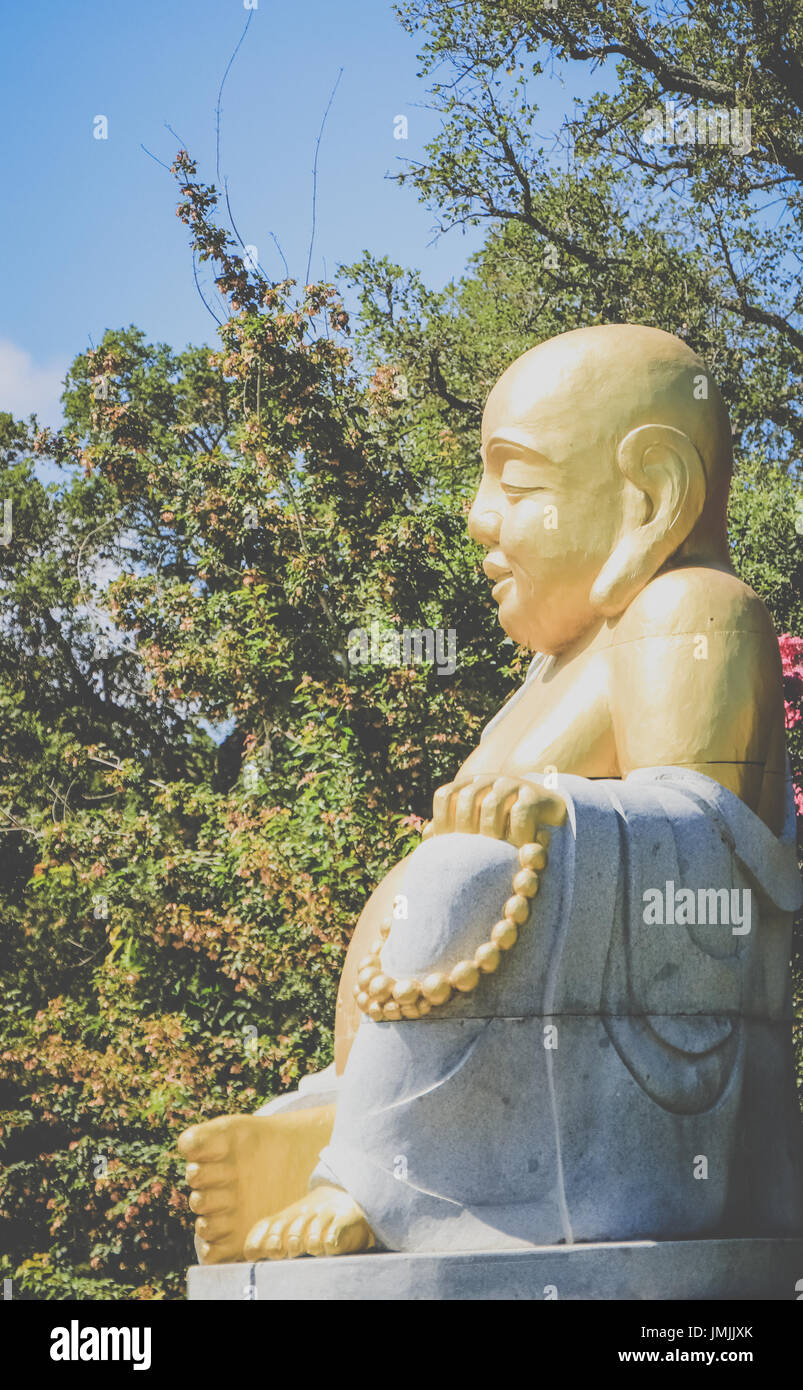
(384, 999)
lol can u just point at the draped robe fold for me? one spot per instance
(615, 1078)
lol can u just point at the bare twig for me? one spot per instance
(17, 825)
(205, 302)
(315, 173)
(220, 93)
(154, 158)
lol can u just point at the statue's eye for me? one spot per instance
(514, 492)
(519, 479)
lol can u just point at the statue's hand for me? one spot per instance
(503, 807)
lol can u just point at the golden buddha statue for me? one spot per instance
(602, 508)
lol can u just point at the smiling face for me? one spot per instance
(552, 501)
(590, 443)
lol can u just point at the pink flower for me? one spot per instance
(792, 663)
(791, 654)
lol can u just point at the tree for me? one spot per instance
(216, 786)
(701, 238)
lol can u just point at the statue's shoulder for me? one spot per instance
(695, 680)
(698, 599)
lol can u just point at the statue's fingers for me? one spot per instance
(467, 804)
(523, 820)
(494, 809)
(550, 805)
(442, 809)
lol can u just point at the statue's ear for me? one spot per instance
(666, 469)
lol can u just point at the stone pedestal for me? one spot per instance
(685, 1270)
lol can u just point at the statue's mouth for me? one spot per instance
(500, 586)
(497, 571)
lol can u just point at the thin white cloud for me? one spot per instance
(27, 388)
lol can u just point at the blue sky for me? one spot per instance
(89, 236)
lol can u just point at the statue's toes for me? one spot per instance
(256, 1242)
(266, 1240)
(209, 1202)
(209, 1141)
(314, 1238)
(212, 1229)
(191, 1143)
(346, 1231)
(295, 1242)
(218, 1252)
(209, 1174)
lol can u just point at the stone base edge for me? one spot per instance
(685, 1270)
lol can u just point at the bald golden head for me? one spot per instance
(594, 385)
(607, 454)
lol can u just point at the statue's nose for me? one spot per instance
(484, 522)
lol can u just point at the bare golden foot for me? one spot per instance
(327, 1221)
(241, 1166)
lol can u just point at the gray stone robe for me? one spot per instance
(617, 1078)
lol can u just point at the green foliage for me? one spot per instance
(700, 238)
(199, 790)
